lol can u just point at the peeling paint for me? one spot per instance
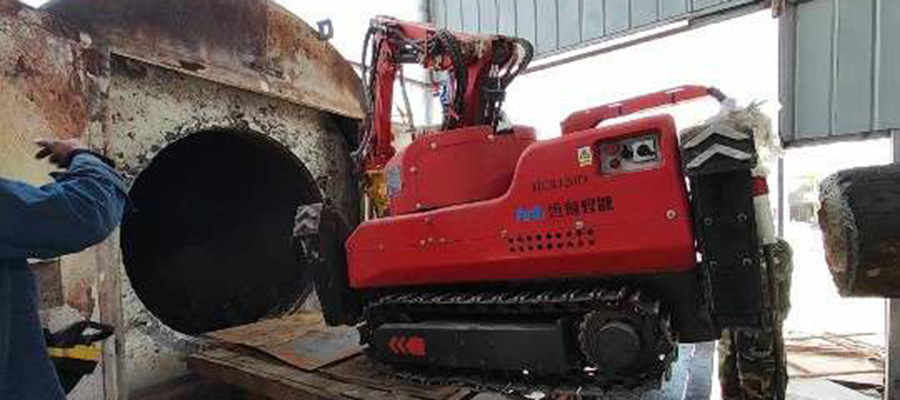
(160, 81)
(272, 51)
(152, 107)
(51, 86)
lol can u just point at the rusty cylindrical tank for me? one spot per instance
(224, 116)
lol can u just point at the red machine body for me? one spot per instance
(574, 259)
(455, 167)
(580, 206)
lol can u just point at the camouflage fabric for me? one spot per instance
(752, 363)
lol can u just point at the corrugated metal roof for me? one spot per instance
(839, 69)
(558, 25)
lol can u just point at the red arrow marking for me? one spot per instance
(401, 344)
(392, 344)
(416, 346)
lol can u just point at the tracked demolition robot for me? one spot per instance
(578, 262)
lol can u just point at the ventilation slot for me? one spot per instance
(551, 240)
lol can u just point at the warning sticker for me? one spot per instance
(585, 156)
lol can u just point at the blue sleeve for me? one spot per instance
(79, 210)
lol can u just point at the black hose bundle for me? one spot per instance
(447, 44)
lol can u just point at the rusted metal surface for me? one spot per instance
(301, 340)
(52, 83)
(176, 68)
(255, 45)
(152, 107)
(49, 284)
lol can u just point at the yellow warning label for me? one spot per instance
(585, 156)
(87, 353)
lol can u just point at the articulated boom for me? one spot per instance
(479, 69)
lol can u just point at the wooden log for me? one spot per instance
(860, 220)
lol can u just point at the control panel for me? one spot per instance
(631, 154)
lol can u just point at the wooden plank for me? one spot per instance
(364, 371)
(358, 377)
(270, 331)
(277, 380)
(301, 340)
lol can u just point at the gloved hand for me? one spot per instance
(59, 151)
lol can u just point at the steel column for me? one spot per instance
(892, 319)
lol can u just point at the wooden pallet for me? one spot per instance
(297, 357)
(354, 378)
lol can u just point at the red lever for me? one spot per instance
(587, 119)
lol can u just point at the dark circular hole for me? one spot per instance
(207, 244)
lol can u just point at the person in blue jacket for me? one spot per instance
(80, 209)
